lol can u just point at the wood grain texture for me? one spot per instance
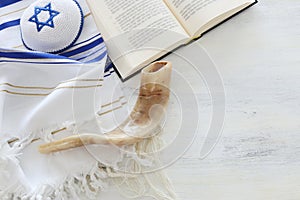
(257, 54)
(258, 155)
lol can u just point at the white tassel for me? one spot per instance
(155, 184)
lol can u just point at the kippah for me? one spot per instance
(51, 25)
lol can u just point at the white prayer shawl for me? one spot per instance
(44, 97)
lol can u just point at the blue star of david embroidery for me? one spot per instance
(49, 22)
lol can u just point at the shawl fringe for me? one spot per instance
(89, 184)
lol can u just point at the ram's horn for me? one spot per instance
(143, 121)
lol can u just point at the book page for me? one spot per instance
(136, 30)
(197, 16)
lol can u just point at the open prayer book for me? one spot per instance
(138, 32)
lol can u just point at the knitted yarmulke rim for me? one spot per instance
(75, 39)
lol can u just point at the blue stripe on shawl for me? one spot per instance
(9, 24)
(4, 3)
(30, 55)
(83, 48)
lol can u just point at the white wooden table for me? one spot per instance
(257, 54)
(258, 156)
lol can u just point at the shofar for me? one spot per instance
(143, 121)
